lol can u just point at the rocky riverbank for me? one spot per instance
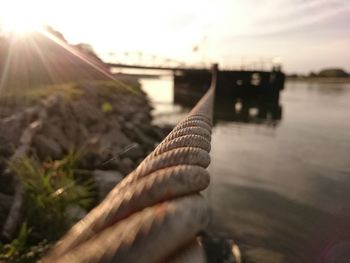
(109, 122)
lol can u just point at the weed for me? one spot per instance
(50, 189)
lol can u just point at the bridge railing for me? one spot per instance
(156, 212)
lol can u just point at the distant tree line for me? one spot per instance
(330, 73)
(324, 73)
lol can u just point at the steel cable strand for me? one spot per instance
(198, 116)
(178, 156)
(99, 217)
(205, 105)
(192, 140)
(117, 229)
(134, 240)
(193, 131)
(189, 130)
(159, 186)
(191, 123)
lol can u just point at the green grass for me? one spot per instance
(68, 91)
(115, 86)
(21, 98)
(50, 188)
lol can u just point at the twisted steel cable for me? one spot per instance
(155, 213)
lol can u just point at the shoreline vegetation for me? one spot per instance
(330, 75)
(66, 146)
(319, 79)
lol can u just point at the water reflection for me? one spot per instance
(247, 110)
(281, 194)
(252, 109)
(272, 228)
(323, 88)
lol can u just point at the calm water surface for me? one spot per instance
(280, 178)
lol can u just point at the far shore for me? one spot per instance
(319, 79)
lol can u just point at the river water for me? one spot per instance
(280, 175)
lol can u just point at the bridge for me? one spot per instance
(195, 79)
(141, 60)
(148, 67)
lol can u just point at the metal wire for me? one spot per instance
(156, 211)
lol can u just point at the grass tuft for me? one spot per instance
(51, 188)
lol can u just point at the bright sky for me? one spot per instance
(305, 34)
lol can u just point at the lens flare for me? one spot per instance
(20, 17)
(19, 27)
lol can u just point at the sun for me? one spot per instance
(20, 27)
(18, 18)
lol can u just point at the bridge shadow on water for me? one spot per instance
(247, 110)
(240, 109)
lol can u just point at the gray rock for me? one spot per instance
(75, 212)
(126, 165)
(143, 139)
(54, 106)
(69, 128)
(6, 147)
(139, 132)
(61, 106)
(56, 134)
(11, 128)
(5, 206)
(14, 215)
(141, 117)
(83, 135)
(105, 181)
(99, 127)
(7, 185)
(30, 115)
(129, 126)
(86, 113)
(114, 139)
(114, 125)
(47, 147)
(159, 133)
(135, 152)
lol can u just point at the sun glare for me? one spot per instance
(20, 19)
(19, 26)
